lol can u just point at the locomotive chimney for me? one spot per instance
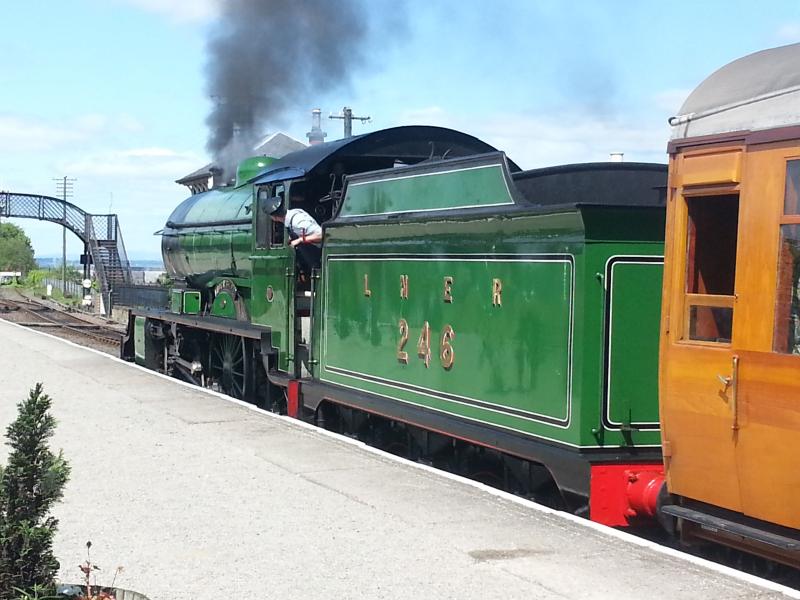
(316, 135)
(217, 177)
(617, 157)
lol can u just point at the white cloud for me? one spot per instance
(39, 135)
(429, 115)
(128, 123)
(670, 101)
(140, 163)
(149, 153)
(549, 139)
(100, 123)
(91, 122)
(182, 11)
(788, 32)
(25, 134)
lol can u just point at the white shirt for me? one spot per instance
(299, 222)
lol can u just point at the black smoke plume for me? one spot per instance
(264, 55)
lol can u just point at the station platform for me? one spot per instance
(199, 496)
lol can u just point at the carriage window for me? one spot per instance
(786, 337)
(791, 197)
(713, 223)
(787, 313)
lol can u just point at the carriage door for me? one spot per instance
(699, 365)
(273, 271)
(769, 391)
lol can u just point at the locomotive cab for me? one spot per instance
(284, 279)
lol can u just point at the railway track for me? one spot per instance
(28, 313)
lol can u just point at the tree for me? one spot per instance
(30, 484)
(16, 252)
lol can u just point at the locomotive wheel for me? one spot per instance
(229, 365)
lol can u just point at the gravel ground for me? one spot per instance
(198, 497)
(76, 336)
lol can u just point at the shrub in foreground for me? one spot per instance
(32, 481)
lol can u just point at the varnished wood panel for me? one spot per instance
(760, 209)
(768, 439)
(709, 168)
(696, 420)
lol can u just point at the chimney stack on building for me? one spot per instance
(316, 135)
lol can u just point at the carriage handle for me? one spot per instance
(733, 382)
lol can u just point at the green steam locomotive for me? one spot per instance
(461, 311)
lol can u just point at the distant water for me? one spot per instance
(147, 265)
(49, 262)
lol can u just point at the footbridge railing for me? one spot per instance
(100, 234)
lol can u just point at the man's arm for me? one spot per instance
(305, 228)
(311, 238)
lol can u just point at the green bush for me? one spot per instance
(30, 484)
(35, 278)
(165, 280)
(16, 252)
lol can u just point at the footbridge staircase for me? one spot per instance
(100, 234)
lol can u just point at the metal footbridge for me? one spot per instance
(100, 234)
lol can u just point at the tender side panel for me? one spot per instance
(633, 311)
(483, 337)
(481, 185)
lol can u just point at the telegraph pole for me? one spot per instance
(64, 186)
(347, 117)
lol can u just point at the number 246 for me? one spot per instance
(447, 354)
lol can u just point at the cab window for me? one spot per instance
(276, 235)
(269, 233)
(263, 221)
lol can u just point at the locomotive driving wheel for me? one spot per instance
(229, 365)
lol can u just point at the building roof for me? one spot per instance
(275, 145)
(758, 91)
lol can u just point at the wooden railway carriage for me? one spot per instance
(515, 313)
(730, 337)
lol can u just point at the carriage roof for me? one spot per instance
(759, 91)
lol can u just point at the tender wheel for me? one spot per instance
(229, 366)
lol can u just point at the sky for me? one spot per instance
(114, 93)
